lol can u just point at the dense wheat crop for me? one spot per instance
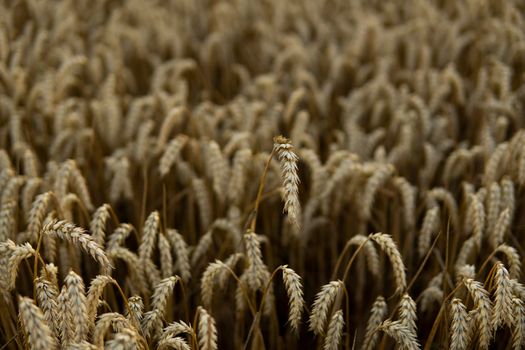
(274, 174)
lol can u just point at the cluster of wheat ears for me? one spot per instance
(237, 174)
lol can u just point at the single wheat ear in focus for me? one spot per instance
(288, 160)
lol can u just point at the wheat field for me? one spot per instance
(236, 174)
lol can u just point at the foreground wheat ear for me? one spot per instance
(288, 161)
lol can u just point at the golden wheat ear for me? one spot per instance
(288, 160)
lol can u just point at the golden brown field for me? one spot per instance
(236, 174)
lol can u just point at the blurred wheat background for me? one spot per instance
(235, 174)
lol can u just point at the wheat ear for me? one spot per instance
(501, 227)
(377, 315)
(401, 334)
(47, 295)
(170, 342)
(180, 249)
(513, 258)
(430, 227)
(372, 258)
(18, 254)
(407, 313)
(97, 225)
(166, 260)
(76, 302)
(483, 311)
(373, 184)
(288, 160)
(66, 317)
(77, 235)
(322, 304)
(459, 338)
(518, 336)
(94, 293)
(149, 236)
(388, 245)
(35, 325)
(493, 206)
(503, 306)
(207, 331)
(294, 289)
(335, 331)
(171, 153)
